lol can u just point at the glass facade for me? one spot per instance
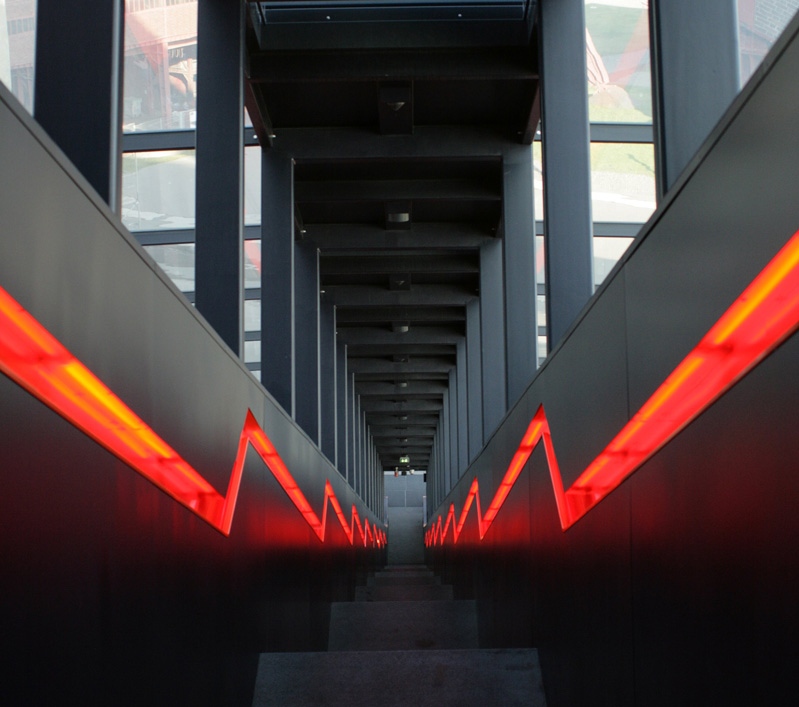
(158, 190)
(18, 48)
(160, 65)
(177, 261)
(760, 22)
(617, 54)
(622, 182)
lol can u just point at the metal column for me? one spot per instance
(327, 379)
(695, 76)
(306, 328)
(566, 163)
(474, 375)
(278, 342)
(463, 415)
(492, 332)
(518, 222)
(78, 97)
(220, 163)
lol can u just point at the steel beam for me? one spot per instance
(327, 379)
(306, 327)
(492, 336)
(334, 238)
(220, 168)
(278, 340)
(697, 40)
(370, 296)
(566, 163)
(78, 80)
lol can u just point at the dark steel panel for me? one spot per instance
(699, 40)
(492, 336)
(278, 367)
(141, 601)
(327, 379)
(566, 163)
(306, 328)
(78, 102)
(220, 168)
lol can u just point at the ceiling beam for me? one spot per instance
(393, 189)
(371, 297)
(400, 314)
(377, 336)
(413, 431)
(332, 238)
(410, 406)
(428, 264)
(378, 420)
(376, 351)
(414, 365)
(489, 64)
(414, 388)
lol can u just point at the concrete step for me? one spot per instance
(412, 592)
(402, 625)
(466, 678)
(391, 579)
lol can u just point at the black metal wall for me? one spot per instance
(110, 591)
(679, 587)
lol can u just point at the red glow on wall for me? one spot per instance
(764, 315)
(38, 362)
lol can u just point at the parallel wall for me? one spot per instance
(112, 591)
(678, 587)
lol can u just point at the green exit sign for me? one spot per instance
(405, 460)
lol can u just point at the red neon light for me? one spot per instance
(764, 315)
(37, 361)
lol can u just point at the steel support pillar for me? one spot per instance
(327, 378)
(452, 393)
(306, 328)
(341, 408)
(463, 415)
(492, 332)
(474, 378)
(566, 163)
(278, 340)
(220, 168)
(695, 77)
(78, 79)
(351, 429)
(519, 263)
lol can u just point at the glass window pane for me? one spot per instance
(252, 186)
(538, 182)
(252, 315)
(252, 352)
(617, 52)
(540, 263)
(252, 264)
(622, 181)
(177, 261)
(760, 22)
(17, 48)
(160, 65)
(158, 190)
(607, 252)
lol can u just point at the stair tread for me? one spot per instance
(403, 592)
(507, 677)
(402, 625)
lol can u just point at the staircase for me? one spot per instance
(403, 641)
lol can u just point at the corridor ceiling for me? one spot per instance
(398, 236)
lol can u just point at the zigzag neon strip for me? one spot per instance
(764, 316)
(37, 361)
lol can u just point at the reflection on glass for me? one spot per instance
(607, 252)
(252, 264)
(542, 349)
(540, 261)
(252, 352)
(538, 182)
(252, 315)
(617, 51)
(158, 190)
(17, 48)
(760, 22)
(252, 186)
(160, 65)
(541, 309)
(622, 181)
(177, 261)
